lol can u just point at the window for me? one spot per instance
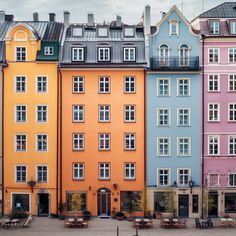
(78, 142)
(42, 174)
(20, 113)
(174, 27)
(104, 142)
(78, 84)
(232, 83)
(232, 27)
(184, 55)
(130, 171)
(130, 142)
(230, 202)
(232, 180)
(42, 113)
(213, 145)
(130, 113)
(232, 112)
(183, 117)
(164, 55)
(213, 83)
(129, 32)
(20, 53)
(104, 170)
(213, 55)
(103, 54)
(183, 87)
(77, 31)
(163, 177)
(77, 54)
(214, 27)
(104, 113)
(21, 174)
(20, 202)
(213, 112)
(160, 200)
(42, 143)
(183, 177)
(232, 145)
(130, 197)
(163, 117)
(232, 55)
(195, 205)
(102, 32)
(163, 147)
(20, 142)
(184, 146)
(42, 84)
(72, 199)
(129, 54)
(78, 171)
(129, 85)
(48, 51)
(20, 85)
(213, 180)
(78, 113)
(163, 87)
(104, 85)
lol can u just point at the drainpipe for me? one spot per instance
(203, 114)
(58, 95)
(3, 185)
(145, 132)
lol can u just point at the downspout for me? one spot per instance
(3, 188)
(145, 131)
(58, 94)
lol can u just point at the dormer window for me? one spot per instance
(214, 26)
(129, 32)
(102, 32)
(20, 54)
(103, 54)
(78, 54)
(48, 51)
(232, 27)
(129, 54)
(77, 31)
(174, 28)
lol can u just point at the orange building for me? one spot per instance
(30, 116)
(102, 116)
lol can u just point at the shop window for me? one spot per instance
(163, 201)
(195, 203)
(230, 202)
(20, 202)
(76, 201)
(130, 199)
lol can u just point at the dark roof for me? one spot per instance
(224, 10)
(3, 29)
(2, 52)
(53, 32)
(153, 29)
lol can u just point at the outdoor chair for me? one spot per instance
(210, 223)
(197, 223)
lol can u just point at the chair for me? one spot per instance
(197, 223)
(210, 223)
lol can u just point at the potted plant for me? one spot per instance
(120, 215)
(61, 208)
(87, 214)
(170, 209)
(113, 212)
(130, 209)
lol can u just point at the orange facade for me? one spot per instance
(90, 155)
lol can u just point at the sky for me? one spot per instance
(104, 10)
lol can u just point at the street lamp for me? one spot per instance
(191, 183)
(32, 183)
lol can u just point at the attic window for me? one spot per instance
(102, 32)
(214, 26)
(232, 27)
(174, 28)
(129, 32)
(77, 31)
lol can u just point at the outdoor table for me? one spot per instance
(227, 222)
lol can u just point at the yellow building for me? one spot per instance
(30, 116)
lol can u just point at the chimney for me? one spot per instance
(52, 17)
(35, 16)
(147, 20)
(9, 18)
(2, 16)
(90, 19)
(163, 14)
(66, 19)
(118, 20)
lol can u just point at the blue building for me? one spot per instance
(173, 126)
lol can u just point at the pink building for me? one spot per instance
(218, 28)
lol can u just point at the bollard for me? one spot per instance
(136, 231)
(117, 231)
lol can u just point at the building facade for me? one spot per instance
(30, 116)
(102, 115)
(173, 101)
(218, 27)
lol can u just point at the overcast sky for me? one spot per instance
(130, 10)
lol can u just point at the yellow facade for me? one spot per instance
(23, 35)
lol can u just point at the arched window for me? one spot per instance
(184, 55)
(174, 27)
(164, 55)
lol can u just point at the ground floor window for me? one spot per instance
(76, 201)
(130, 200)
(195, 203)
(230, 202)
(20, 201)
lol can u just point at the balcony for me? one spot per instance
(174, 64)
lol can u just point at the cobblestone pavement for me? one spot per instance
(107, 227)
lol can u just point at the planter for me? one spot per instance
(120, 217)
(130, 218)
(167, 215)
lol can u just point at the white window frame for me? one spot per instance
(178, 87)
(48, 50)
(178, 117)
(184, 59)
(130, 109)
(21, 52)
(189, 147)
(232, 78)
(233, 55)
(130, 81)
(218, 180)
(20, 76)
(78, 110)
(104, 138)
(103, 110)
(42, 82)
(130, 50)
(215, 137)
(80, 166)
(213, 110)
(104, 80)
(80, 81)
(26, 142)
(80, 50)
(233, 143)
(169, 117)
(36, 143)
(214, 78)
(178, 177)
(131, 167)
(129, 137)
(234, 177)
(42, 113)
(26, 113)
(159, 154)
(233, 110)
(37, 175)
(21, 193)
(216, 27)
(158, 87)
(104, 167)
(171, 29)
(80, 137)
(232, 29)
(213, 55)
(26, 173)
(158, 177)
(102, 54)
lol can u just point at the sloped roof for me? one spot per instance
(53, 32)
(224, 10)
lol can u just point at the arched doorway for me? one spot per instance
(43, 202)
(104, 202)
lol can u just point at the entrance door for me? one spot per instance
(43, 205)
(183, 205)
(213, 204)
(104, 202)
